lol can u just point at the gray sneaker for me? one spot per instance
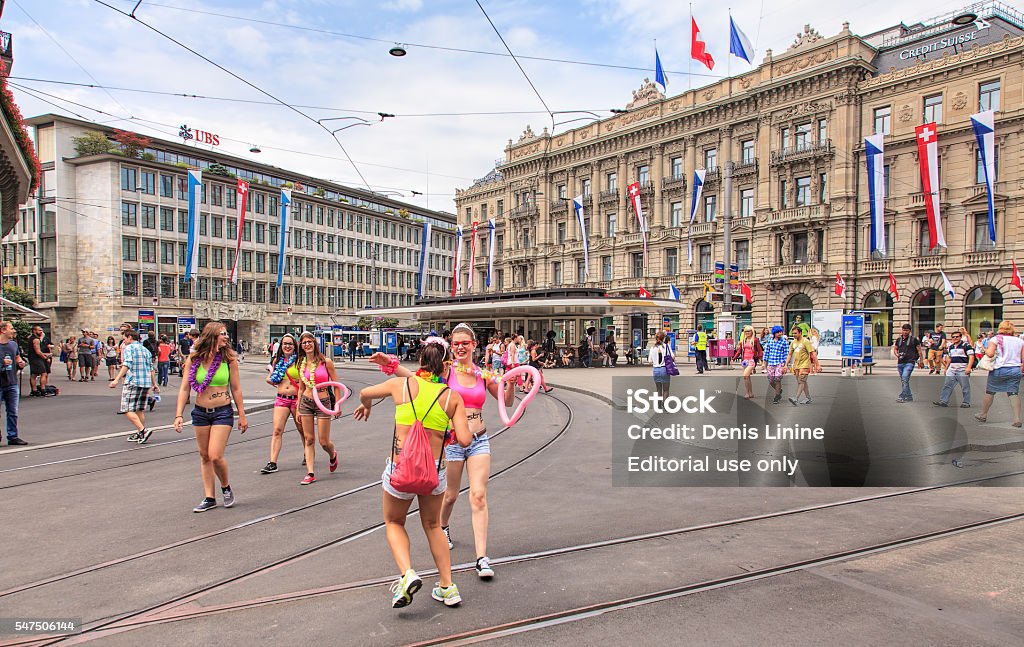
(205, 504)
(229, 497)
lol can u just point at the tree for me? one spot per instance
(376, 322)
(93, 142)
(22, 297)
(132, 145)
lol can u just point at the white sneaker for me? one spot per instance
(483, 568)
(448, 536)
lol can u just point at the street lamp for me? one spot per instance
(397, 50)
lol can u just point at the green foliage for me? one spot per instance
(22, 297)
(149, 157)
(320, 192)
(93, 142)
(19, 295)
(24, 333)
(376, 322)
(182, 165)
(218, 169)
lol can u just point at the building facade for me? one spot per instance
(793, 132)
(106, 237)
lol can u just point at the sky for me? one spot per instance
(454, 110)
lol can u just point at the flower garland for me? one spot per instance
(427, 376)
(304, 376)
(487, 376)
(281, 367)
(18, 128)
(210, 372)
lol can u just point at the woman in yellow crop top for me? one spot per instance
(211, 370)
(427, 398)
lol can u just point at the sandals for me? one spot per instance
(980, 418)
(1015, 424)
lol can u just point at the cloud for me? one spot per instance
(402, 5)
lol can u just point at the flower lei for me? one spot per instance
(487, 376)
(426, 375)
(281, 367)
(303, 375)
(210, 372)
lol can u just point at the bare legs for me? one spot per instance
(211, 442)
(395, 513)
(479, 467)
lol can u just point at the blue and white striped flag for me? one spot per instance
(947, 287)
(577, 205)
(457, 273)
(739, 44)
(984, 127)
(659, 73)
(195, 183)
(874, 148)
(421, 289)
(698, 189)
(673, 292)
(286, 201)
(490, 249)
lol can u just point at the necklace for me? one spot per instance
(210, 372)
(280, 368)
(308, 378)
(476, 371)
(428, 376)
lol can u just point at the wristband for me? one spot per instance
(392, 364)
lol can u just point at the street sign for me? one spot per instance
(853, 337)
(1017, 302)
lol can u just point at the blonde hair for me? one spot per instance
(1006, 327)
(747, 329)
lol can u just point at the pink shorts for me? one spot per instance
(287, 401)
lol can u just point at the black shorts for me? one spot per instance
(38, 366)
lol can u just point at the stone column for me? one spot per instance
(621, 212)
(658, 172)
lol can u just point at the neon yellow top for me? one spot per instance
(433, 417)
(220, 378)
(293, 374)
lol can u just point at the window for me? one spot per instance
(204, 256)
(258, 202)
(709, 207)
(556, 273)
(561, 191)
(742, 254)
(232, 198)
(822, 188)
(149, 216)
(638, 265)
(581, 270)
(800, 247)
(526, 237)
(704, 258)
(803, 136)
(182, 222)
(319, 215)
(560, 235)
(933, 109)
(803, 191)
(261, 232)
(677, 214)
(643, 175)
(988, 96)
(612, 181)
(711, 159)
(272, 234)
(982, 240)
(747, 149)
(166, 186)
(746, 203)
(218, 289)
(584, 189)
(924, 239)
(784, 138)
(129, 178)
(671, 261)
(216, 194)
(611, 224)
(129, 284)
(129, 214)
(148, 183)
(148, 251)
(203, 219)
(261, 263)
(883, 120)
(167, 285)
(167, 253)
(822, 131)
(980, 166)
(129, 249)
(501, 208)
(182, 187)
(677, 168)
(246, 260)
(166, 219)
(606, 268)
(784, 195)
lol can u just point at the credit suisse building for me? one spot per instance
(794, 130)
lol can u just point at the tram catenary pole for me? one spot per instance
(727, 239)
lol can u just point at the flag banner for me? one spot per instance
(947, 287)
(873, 152)
(698, 189)
(195, 182)
(577, 204)
(421, 285)
(643, 293)
(708, 290)
(490, 249)
(472, 258)
(689, 250)
(739, 44)
(892, 287)
(286, 201)
(634, 196)
(673, 292)
(984, 127)
(659, 73)
(697, 49)
(840, 286)
(748, 294)
(928, 161)
(457, 270)
(242, 192)
(1015, 277)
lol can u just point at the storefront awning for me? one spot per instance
(590, 307)
(12, 310)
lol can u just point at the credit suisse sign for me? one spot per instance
(936, 45)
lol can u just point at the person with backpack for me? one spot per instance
(415, 468)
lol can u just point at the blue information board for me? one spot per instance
(853, 337)
(391, 342)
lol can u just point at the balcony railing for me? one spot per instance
(918, 199)
(608, 196)
(703, 228)
(877, 266)
(632, 237)
(523, 211)
(927, 261)
(803, 151)
(818, 212)
(745, 168)
(558, 205)
(985, 257)
(700, 278)
(673, 183)
(797, 270)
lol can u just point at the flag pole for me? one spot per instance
(728, 57)
(689, 59)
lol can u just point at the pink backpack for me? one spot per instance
(415, 472)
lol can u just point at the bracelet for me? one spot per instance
(176, 417)
(392, 364)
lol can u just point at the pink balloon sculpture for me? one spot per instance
(345, 393)
(521, 409)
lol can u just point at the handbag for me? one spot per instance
(414, 470)
(670, 364)
(987, 363)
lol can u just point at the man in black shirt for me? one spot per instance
(935, 351)
(906, 351)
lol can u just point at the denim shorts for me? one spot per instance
(481, 445)
(385, 482)
(222, 415)
(661, 375)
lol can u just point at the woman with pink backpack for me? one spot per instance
(424, 407)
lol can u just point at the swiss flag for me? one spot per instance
(697, 47)
(892, 287)
(1015, 278)
(840, 286)
(643, 293)
(747, 292)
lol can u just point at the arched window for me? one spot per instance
(798, 312)
(983, 310)
(881, 323)
(704, 316)
(927, 308)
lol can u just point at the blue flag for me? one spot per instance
(195, 183)
(659, 73)
(739, 44)
(286, 200)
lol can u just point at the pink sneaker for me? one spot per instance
(334, 462)
(309, 479)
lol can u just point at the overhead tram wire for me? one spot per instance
(252, 85)
(405, 43)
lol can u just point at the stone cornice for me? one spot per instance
(943, 64)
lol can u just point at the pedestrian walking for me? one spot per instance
(240, 350)
(1007, 351)
(94, 355)
(212, 373)
(907, 352)
(749, 354)
(815, 339)
(137, 372)
(163, 360)
(284, 374)
(936, 349)
(958, 364)
(85, 349)
(657, 355)
(352, 349)
(314, 370)
(40, 357)
(776, 354)
(422, 404)
(69, 355)
(12, 362)
(799, 360)
(111, 356)
(700, 346)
